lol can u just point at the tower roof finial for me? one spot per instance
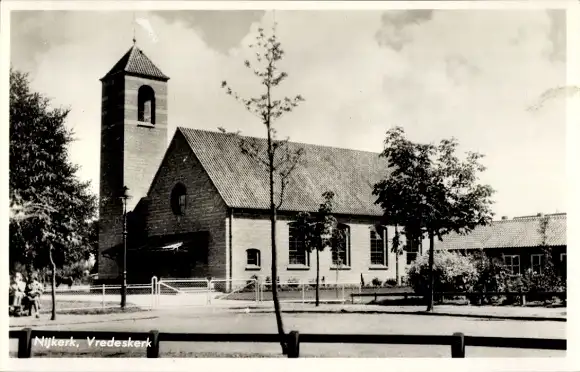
(134, 21)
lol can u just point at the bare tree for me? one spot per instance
(276, 156)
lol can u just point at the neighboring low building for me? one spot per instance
(517, 241)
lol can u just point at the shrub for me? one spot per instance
(493, 275)
(267, 283)
(390, 282)
(293, 283)
(376, 282)
(251, 284)
(312, 283)
(452, 272)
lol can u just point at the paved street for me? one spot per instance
(219, 321)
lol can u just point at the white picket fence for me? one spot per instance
(203, 292)
(186, 292)
(305, 291)
(92, 297)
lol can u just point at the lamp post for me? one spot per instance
(338, 267)
(124, 197)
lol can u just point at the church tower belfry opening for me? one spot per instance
(133, 142)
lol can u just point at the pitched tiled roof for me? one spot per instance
(136, 62)
(243, 183)
(518, 232)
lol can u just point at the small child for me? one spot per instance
(34, 290)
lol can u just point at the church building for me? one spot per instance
(198, 207)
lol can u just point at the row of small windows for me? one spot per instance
(379, 256)
(512, 263)
(340, 257)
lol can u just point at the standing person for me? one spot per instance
(34, 290)
(17, 288)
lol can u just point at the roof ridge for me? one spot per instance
(554, 215)
(297, 143)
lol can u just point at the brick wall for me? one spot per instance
(111, 172)
(144, 145)
(205, 209)
(253, 231)
(131, 152)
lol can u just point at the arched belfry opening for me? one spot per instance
(146, 104)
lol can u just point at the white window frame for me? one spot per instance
(335, 256)
(292, 247)
(539, 264)
(413, 253)
(511, 265)
(383, 242)
(258, 263)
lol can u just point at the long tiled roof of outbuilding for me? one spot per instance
(519, 232)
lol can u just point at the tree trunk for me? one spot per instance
(275, 282)
(52, 285)
(430, 294)
(277, 311)
(317, 278)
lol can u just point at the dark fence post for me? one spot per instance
(458, 345)
(153, 351)
(293, 344)
(25, 343)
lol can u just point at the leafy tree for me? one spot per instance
(50, 208)
(431, 192)
(277, 157)
(318, 231)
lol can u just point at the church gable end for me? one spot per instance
(183, 199)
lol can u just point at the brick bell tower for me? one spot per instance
(133, 142)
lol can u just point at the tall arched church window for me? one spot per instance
(146, 104)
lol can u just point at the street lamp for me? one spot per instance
(124, 197)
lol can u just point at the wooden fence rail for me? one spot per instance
(457, 341)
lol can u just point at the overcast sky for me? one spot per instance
(469, 74)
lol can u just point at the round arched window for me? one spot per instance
(146, 104)
(179, 199)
